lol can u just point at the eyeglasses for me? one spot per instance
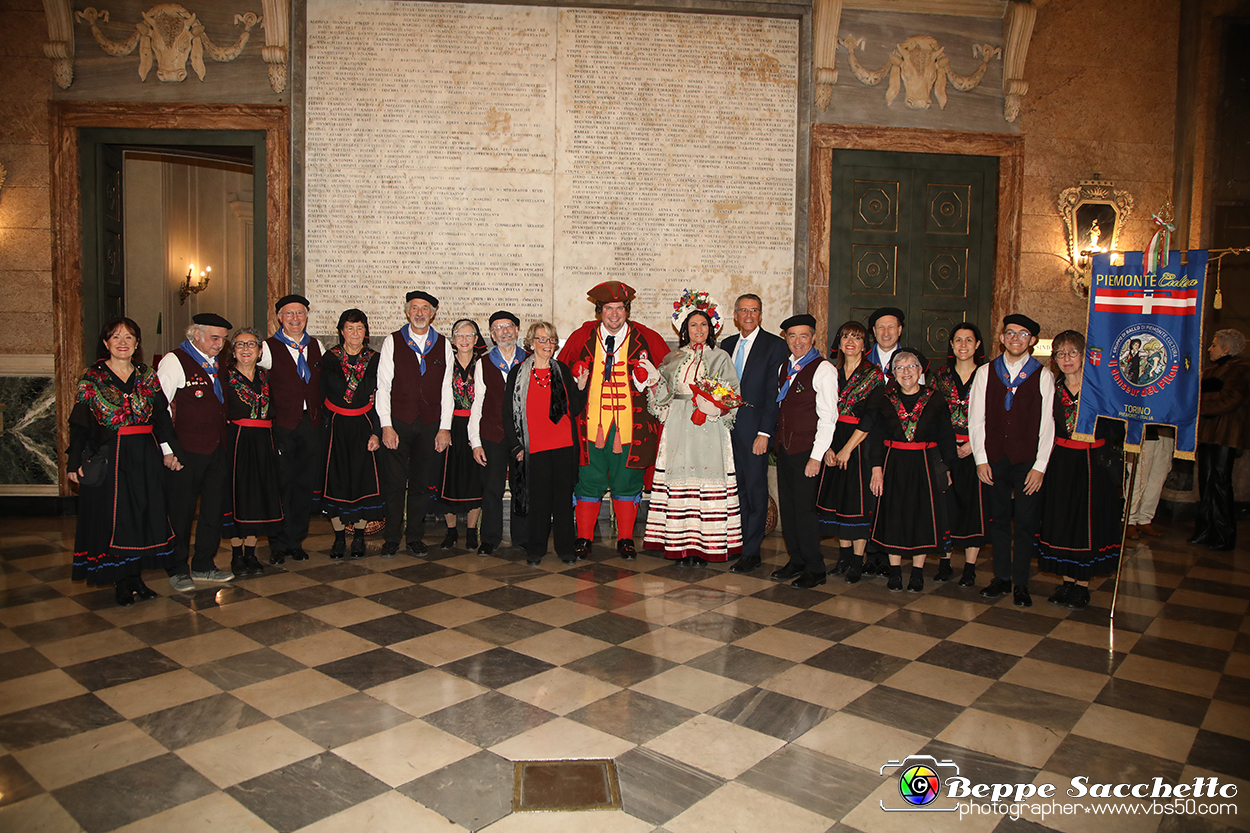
(544, 340)
(464, 337)
(246, 345)
(906, 368)
(1016, 334)
(747, 310)
(502, 328)
(1066, 354)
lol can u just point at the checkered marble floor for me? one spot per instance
(394, 695)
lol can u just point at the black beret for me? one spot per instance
(291, 299)
(210, 319)
(417, 294)
(798, 321)
(504, 315)
(911, 351)
(895, 311)
(1024, 321)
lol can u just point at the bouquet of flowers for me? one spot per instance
(720, 399)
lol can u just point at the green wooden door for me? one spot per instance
(913, 231)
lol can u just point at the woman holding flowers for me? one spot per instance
(694, 515)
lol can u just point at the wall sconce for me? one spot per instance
(1094, 213)
(193, 284)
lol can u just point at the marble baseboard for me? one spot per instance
(28, 419)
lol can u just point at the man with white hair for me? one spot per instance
(191, 382)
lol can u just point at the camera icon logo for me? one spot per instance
(920, 779)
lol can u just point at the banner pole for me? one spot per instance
(1128, 509)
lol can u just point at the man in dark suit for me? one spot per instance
(758, 357)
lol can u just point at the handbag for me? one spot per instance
(95, 468)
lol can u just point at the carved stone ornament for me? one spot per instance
(171, 34)
(919, 66)
(60, 44)
(276, 24)
(1094, 212)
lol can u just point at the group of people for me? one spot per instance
(894, 458)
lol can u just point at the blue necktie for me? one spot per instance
(740, 357)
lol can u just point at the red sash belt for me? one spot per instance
(909, 446)
(135, 429)
(253, 423)
(338, 409)
(1066, 443)
(464, 412)
(852, 420)
(962, 438)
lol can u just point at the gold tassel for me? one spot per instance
(1219, 299)
(1219, 293)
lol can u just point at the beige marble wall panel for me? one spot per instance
(24, 207)
(26, 332)
(25, 291)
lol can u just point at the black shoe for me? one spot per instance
(915, 584)
(389, 548)
(625, 549)
(570, 559)
(696, 562)
(122, 592)
(416, 548)
(844, 561)
(787, 572)
(1078, 599)
(253, 563)
(1062, 594)
(1220, 547)
(486, 549)
(895, 584)
(298, 554)
(339, 548)
(809, 580)
(141, 590)
(238, 566)
(995, 588)
(746, 564)
(277, 556)
(944, 571)
(470, 539)
(681, 562)
(1196, 539)
(535, 560)
(854, 571)
(358, 543)
(969, 578)
(581, 549)
(883, 569)
(1020, 597)
(449, 540)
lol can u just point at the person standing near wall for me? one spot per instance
(500, 463)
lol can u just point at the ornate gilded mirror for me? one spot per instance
(1093, 214)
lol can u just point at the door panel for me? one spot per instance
(914, 231)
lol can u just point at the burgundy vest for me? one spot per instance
(796, 419)
(1013, 433)
(199, 419)
(491, 427)
(414, 396)
(289, 395)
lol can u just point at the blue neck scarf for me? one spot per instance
(1000, 367)
(796, 369)
(301, 365)
(209, 365)
(497, 359)
(431, 336)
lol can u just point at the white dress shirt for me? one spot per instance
(386, 370)
(266, 358)
(976, 412)
(173, 377)
(825, 380)
(618, 354)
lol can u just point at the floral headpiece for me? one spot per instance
(689, 302)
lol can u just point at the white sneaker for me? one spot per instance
(213, 575)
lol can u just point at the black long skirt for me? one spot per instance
(911, 513)
(123, 526)
(460, 481)
(254, 497)
(968, 505)
(845, 503)
(352, 485)
(1081, 513)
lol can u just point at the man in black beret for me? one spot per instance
(293, 359)
(887, 328)
(191, 382)
(1011, 427)
(505, 355)
(807, 396)
(412, 364)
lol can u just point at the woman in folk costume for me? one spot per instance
(254, 497)
(119, 418)
(351, 435)
(694, 516)
(845, 501)
(1082, 503)
(912, 448)
(967, 499)
(459, 442)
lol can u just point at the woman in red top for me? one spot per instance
(541, 403)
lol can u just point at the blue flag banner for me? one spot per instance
(1143, 356)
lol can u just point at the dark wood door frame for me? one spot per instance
(66, 119)
(1009, 149)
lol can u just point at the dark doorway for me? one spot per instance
(913, 231)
